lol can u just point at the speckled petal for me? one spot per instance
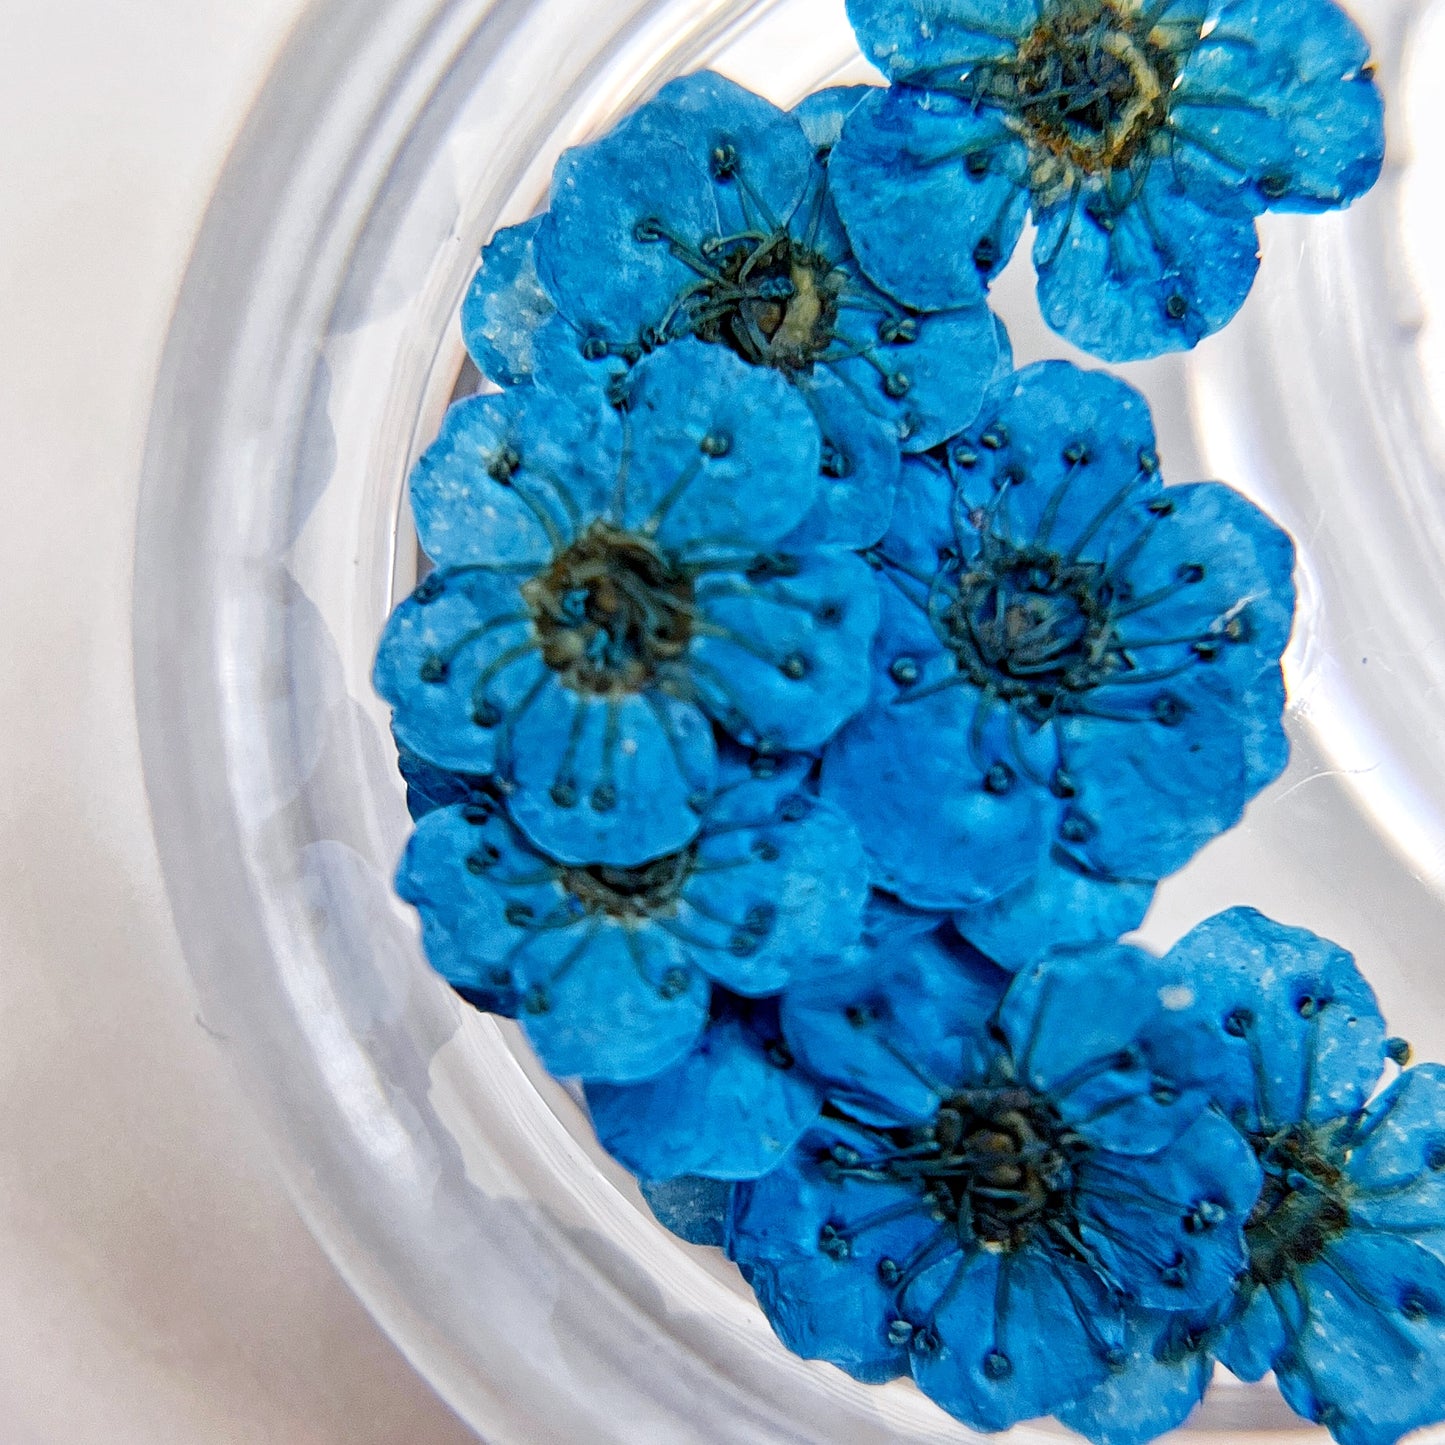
(455, 659)
(1075, 449)
(505, 305)
(453, 872)
(1284, 1009)
(778, 891)
(728, 1110)
(784, 659)
(1162, 1380)
(822, 113)
(921, 525)
(859, 468)
(1089, 1029)
(1020, 1334)
(927, 224)
(512, 476)
(1276, 107)
(607, 1001)
(1397, 1171)
(1365, 1355)
(610, 781)
(1254, 1338)
(1142, 1219)
(694, 1209)
(723, 455)
(1157, 276)
(899, 1025)
(916, 36)
(1059, 906)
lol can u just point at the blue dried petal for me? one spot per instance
(730, 1109)
(904, 1020)
(1060, 906)
(927, 224)
(903, 40)
(781, 659)
(508, 477)
(504, 305)
(822, 113)
(1366, 1333)
(1276, 108)
(429, 788)
(1164, 1377)
(1397, 1167)
(1255, 1337)
(610, 780)
(1293, 1030)
(724, 456)
(693, 1209)
(1157, 277)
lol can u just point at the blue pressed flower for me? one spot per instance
(1076, 679)
(429, 787)
(614, 967)
(693, 1208)
(1144, 138)
(706, 214)
(608, 581)
(1344, 1298)
(1007, 1184)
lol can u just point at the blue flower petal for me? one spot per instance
(1169, 1228)
(886, 918)
(778, 890)
(1095, 1031)
(831, 1304)
(1020, 1334)
(605, 1000)
(921, 526)
(730, 1109)
(564, 362)
(1287, 1015)
(1364, 1353)
(903, 40)
(1397, 1167)
(1157, 276)
(1156, 782)
(1255, 1338)
(859, 468)
(1276, 107)
(1059, 906)
(915, 756)
(1162, 1380)
(1239, 593)
(429, 788)
(610, 780)
(450, 874)
(900, 1026)
(456, 658)
(693, 1209)
(505, 305)
(723, 455)
(933, 195)
(782, 659)
(1072, 446)
(510, 475)
(822, 113)
(946, 368)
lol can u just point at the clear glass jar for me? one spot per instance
(313, 351)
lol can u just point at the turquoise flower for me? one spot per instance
(1076, 679)
(1144, 139)
(706, 214)
(611, 582)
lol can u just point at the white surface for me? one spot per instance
(155, 1284)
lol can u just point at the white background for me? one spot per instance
(155, 1284)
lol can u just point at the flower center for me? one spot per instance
(995, 1162)
(610, 611)
(1091, 83)
(631, 893)
(1300, 1208)
(774, 301)
(1028, 624)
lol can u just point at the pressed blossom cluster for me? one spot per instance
(800, 702)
